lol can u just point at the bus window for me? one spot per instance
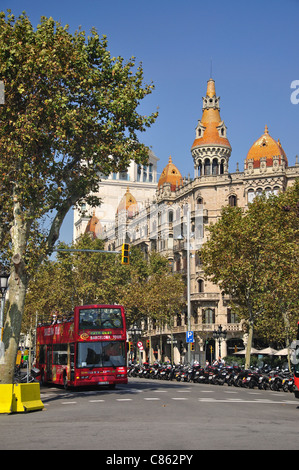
(101, 354)
(60, 354)
(90, 318)
(114, 354)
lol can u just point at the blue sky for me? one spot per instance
(254, 51)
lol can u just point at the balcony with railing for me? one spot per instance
(205, 296)
(196, 327)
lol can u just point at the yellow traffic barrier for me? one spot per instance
(26, 398)
(6, 396)
(18, 398)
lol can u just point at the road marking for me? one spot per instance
(96, 401)
(239, 400)
(179, 398)
(68, 403)
(151, 399)
(124, 399)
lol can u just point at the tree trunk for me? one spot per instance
(17, 291)
(287, 330)
(249, 345)
(12, 327)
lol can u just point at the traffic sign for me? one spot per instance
(140, 345)
(189, 337)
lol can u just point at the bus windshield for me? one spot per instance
(101, 354)
(90, 318)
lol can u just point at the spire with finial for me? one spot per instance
(210, 131)
(211, 92)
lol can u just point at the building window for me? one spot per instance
(150, 172)
(123, 175)
(276, 190)
(215, 166)
(222, 167)
(232, 201)
(209, 316)
(232, 317)
(200, 284)
(250, 195)
(139, 173)
(207, 167)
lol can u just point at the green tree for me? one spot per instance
(253, 256)
(145, 287)
(70, 114)
(166, 299)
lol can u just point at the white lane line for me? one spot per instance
(124, 399)
(151, 399)
(262, 401)
(96, 401)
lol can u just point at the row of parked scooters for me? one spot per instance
(263, 379)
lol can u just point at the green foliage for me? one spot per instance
(145, 288)
(70, 113)
(253, 255)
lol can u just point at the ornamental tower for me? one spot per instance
(170, 175)
(211, 149)
(266, 152)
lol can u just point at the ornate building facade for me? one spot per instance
(141, 180)
(162, 225)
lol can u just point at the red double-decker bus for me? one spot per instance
(88, 349)
(296, 364)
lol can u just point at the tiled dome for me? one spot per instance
(266, 147)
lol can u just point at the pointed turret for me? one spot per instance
(211, 149)
(171, 175)
(128, 204)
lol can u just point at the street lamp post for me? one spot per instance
(135, 333)
(219, 335)
(181, 237)
(188, 284)
(3, 288)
